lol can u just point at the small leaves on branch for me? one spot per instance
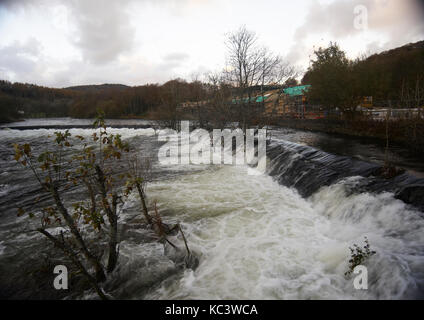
(359, 256)
(94, 169)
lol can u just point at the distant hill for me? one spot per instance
(97, 87)
(396, 74)
(409, 49)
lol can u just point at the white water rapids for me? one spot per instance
(260, 240)
(257, 239)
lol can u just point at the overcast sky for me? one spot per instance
(60, 43)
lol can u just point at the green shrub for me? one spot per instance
(359, 255)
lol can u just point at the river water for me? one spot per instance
(281, 235)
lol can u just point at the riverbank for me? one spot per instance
(406, 133)
(9, 120)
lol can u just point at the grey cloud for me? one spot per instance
(336, 18)
(17, 5)
(176, 56)
(401, 21)
(20, 58)
(103, 29)
(80, 72)
(11, 4)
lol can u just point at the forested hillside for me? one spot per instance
(118, 101)
(394, 78)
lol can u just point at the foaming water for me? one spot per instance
(255, 238)
(40, 133)
(260, 240)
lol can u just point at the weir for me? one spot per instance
(308, 169)
(284, 234)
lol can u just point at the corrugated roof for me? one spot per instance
(297, 91)
(264, 98)
(253, 99)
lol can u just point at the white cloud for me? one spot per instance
(20, 59)
(68, 42)
(103, 29)
(391, 23)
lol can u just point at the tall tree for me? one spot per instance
(333, 81)
(251, 67)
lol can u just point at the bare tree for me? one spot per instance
(219, 109)
(250, 68)
(171, 97)
(198, 94)
(56, 176)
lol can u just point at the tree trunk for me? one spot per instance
(143, 202)
(112, 218)
(100, 275)
(72, 255)
(113, 237)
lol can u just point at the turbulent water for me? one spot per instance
(282, 235)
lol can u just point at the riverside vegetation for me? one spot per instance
(90, 228)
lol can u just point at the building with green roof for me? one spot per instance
(297, 91)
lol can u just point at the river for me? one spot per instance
(281, 235)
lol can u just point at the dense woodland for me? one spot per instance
(394, 79)
(117, 101)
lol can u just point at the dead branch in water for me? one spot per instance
(158, 224)
(163, 230)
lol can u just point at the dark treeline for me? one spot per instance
(391, 80)
(19, 99)
(118, 101)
